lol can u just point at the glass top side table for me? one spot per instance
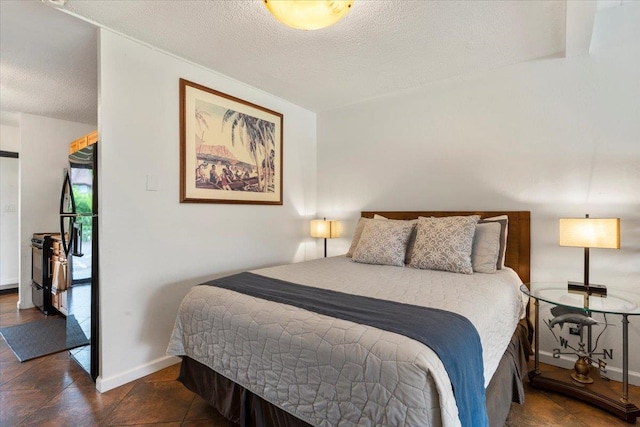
(576, 309)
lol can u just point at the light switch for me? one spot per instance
(152, 182)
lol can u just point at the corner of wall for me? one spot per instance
(106, 384)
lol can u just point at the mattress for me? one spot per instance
(327, 371)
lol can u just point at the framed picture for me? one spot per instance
(230, 149)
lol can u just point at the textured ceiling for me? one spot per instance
(48, 63)
(381, 47)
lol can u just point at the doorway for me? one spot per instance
(9, 221)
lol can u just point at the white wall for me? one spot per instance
(9, 138)
(44, 151)
(558, 137)
(9, 218)
(153, 248)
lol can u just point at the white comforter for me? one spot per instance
(328, 371)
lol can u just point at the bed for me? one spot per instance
(269, 361)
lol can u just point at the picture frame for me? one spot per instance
(230, 149)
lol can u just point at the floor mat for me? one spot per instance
(50, 335)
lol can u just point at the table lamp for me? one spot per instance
(590, 233)
(327, 229)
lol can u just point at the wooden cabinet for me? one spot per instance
(59, 301)
(63, 303)
(83, 141)
(73, 147)
(59, 278)
(92, 138)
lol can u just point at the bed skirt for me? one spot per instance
(245, 408)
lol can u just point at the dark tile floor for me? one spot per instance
(55, 391)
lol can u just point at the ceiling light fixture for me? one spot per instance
(308, 14)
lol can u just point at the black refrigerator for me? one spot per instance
(79, 240)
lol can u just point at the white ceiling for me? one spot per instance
(48, 63)
(48, 60)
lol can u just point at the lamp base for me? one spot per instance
(591, 289)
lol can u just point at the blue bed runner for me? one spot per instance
(451, 336)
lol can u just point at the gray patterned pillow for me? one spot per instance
(357, 234)
(412, 237)
(383, 242)
(486, 247)
(445, 243)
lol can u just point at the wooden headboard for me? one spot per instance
(518, 254)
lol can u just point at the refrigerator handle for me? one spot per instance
(73, 199)
(67, 191)
(67, 244)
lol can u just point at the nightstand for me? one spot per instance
(573, 326)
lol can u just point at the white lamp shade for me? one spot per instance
(590, 232)
(327, 229)
(308, 14)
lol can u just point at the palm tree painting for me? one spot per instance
(201, 122)
(234, 147)
(258, 137)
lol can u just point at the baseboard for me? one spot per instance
(9, 286)
(106, 384)
(567, 362)
(24, 304)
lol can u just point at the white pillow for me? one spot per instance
(383, 243)
(503, 220)
(486, 247)
(444, 243)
